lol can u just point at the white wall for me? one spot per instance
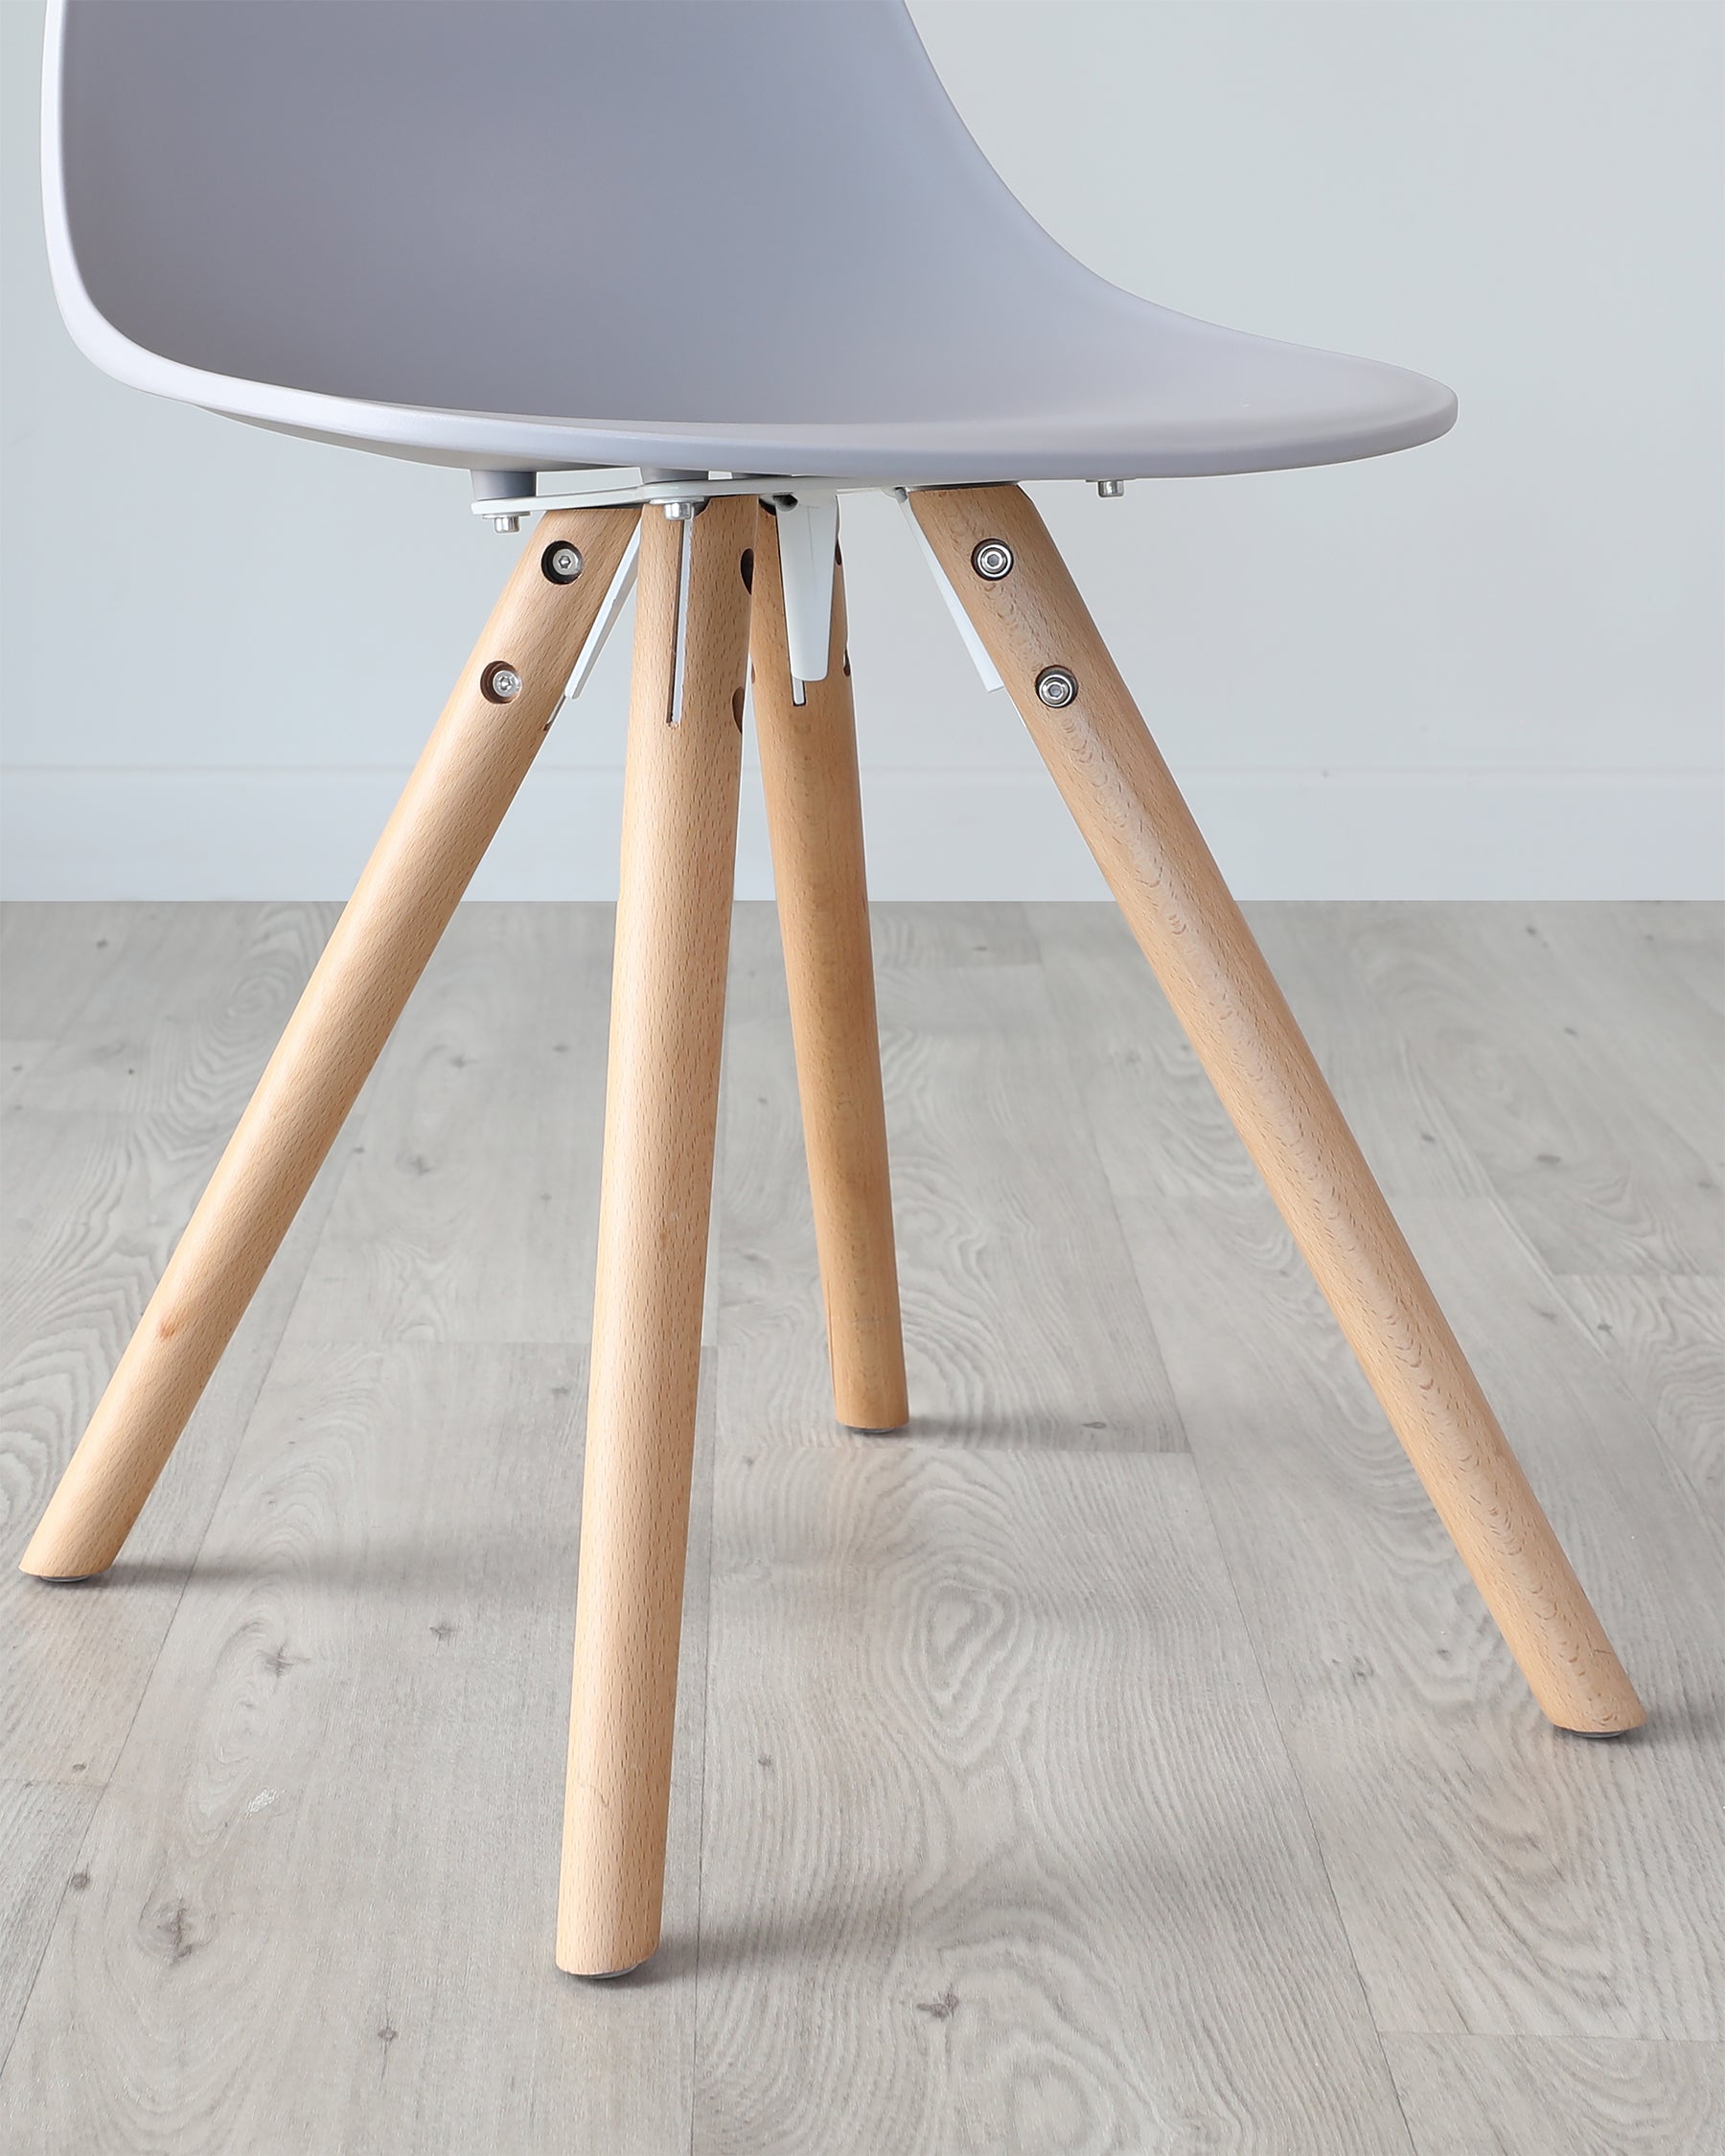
(1487, 668)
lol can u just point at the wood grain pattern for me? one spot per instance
(1001, 1850)
(18, 1058)
(674, 909)
(1398, 1112)
(1456, 1832)
(1668, 1039)
(1024, 1325)
(52, 958)
(1663, 1335)
(314, 1911)
(1676, 942)
(216, 970)
(1463, 2096)
(476, 760)
(1034, 1872)
(93, 1199)
(1496, 1876)
(473, 1215)
(1136, 822)
(167, 1014)
(76, 1660)
(1542, 1094)
(815, 816)
(41, 1826)
(1154, 1117)
(1573, 976)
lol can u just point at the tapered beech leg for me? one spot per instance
(1036, 629)
(474, 761)
(814, 817)
(674, 909)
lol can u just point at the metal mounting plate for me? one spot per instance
(808, 510)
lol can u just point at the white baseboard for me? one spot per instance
(139, 834)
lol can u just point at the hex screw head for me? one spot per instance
(679, 512)
(506, 523)
(500, 683)
(992, 560)
(1110, 490)
(560, 561)
(1056, 687)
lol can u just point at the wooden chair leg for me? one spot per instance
(1036, 629)
(680, 834)
(815, 816)
(474, 761)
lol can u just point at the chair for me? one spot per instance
(673, 278)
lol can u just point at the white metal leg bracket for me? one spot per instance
(808, 542)
(616, 598)
(987, 672)
(808, 537)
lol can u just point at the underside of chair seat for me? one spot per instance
(743, 234)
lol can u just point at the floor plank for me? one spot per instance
(18, 1060)
(1002, 1852)
(41, 1824)
(1681, 940)
(1663, 1335)
(1496, 1876)
(101, 1173)
(473, 1215)
(1469, 2096)
(1536, 1083)
(1023, 1322)
(1062, 1788)
(1156, 1125)
(161, 1026)
(1393, 1686)
(321, 1884)
(1630, 966)
(54, 957)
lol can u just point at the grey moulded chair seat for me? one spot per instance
(718, 262)
(700, 234)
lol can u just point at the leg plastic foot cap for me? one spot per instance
(609, 1976)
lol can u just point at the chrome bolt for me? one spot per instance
(992, 560)
(506, 523)
(1056, 687)
(1110, 490)
(561, 562)
(502, 684)
(679, 512)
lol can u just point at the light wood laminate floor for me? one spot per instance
(1120, 1761)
